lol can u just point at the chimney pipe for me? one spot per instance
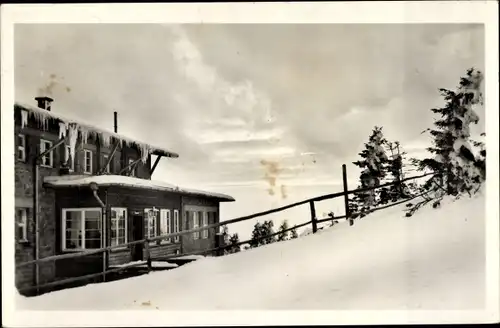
(116, 122)
(44, 102)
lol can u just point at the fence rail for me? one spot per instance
(314, 221)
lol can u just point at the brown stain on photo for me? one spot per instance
(283, 192)
(48, 88)
(272, 170)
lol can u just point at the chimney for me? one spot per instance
(44, 102)
(116, 121)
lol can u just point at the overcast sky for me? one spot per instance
(266, 113)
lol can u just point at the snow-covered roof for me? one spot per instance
(106, 135)
(126, 181)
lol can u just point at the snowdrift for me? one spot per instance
(433, 260)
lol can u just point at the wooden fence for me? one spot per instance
(220, 248)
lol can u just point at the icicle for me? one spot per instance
(84, 133)
(24, 118)
(73, 136)
(37, 117)
(41, 119)
(145, 151)
(105, 139)
(62, 129)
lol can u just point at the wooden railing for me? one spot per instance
(219, 248)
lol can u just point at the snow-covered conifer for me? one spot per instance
(453, 155)
(283, 234)
(233, 240)
(373, 164)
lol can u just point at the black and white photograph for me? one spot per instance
(178, 166)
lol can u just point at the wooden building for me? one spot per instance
(93, 189)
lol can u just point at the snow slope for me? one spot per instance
(433, 260)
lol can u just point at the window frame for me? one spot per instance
(67, 153)
(166, 215)
(117, 227)
(146, 228)
(196, 225)
(176, 225)
(21, 147)
(204, 233)
(63, 228)
(132, 170)
(50, 155)
(23, 224)
(85, 152)
(107, 169)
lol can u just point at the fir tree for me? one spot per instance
(233, 241)
(283, 234)
(293, 233)
(256, 234)
(374, 168)
(261, 232)
(398, 189)
(267, 230)
(453, 157)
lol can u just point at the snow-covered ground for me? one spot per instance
(433, 260)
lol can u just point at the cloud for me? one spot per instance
(238, 134)
(233, 101)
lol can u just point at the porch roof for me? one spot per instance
(126, 181)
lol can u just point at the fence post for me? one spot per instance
(346, 196)
(314, 221)
(217, 244)
(148, 254)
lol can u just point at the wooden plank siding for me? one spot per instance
(189, 203)
(135, 200)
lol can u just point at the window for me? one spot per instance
(118, 226)
(21, 147)
(132, 168)
(176, 224)
(22, 224)
(48, 159)
(196, 224)
(81, 228)
(67, 158)
(87, 161)
(212, 216)
(204, 233)
(105, 160)
(150, 220)
(165, 223)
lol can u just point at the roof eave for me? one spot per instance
(165, 154)
(56, 116)
(219, 198)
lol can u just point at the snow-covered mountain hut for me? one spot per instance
(92, 188)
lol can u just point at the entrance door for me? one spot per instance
(137, 234)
